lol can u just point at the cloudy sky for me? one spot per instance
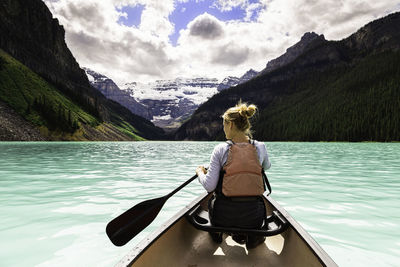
(146, 40)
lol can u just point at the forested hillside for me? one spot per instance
(358, 103)
(41, 80)
(345, 90)
(57, 116)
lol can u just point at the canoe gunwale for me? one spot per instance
(140, 248)
(323, 257)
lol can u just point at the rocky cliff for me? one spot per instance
(228, 82)
(30, 34)
(250, 74)
(377, 36)
(110, 90)
(310, 40)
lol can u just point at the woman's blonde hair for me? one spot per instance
(240, 115)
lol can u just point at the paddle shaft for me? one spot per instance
(127, 225)
(180, 187)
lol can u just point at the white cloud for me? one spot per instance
(206, 26)
(208, 46)
(228, 5)
(230, 54)
(251, 10)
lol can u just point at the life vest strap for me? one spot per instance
(266, 182)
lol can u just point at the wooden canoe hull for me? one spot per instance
(178, 243)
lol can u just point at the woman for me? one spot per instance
(235, 177)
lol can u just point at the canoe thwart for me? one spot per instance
(274, 224)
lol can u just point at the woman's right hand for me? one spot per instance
(201, 170)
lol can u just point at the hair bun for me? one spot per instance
(240, 115)
(242, 109)
(246, 111)
(251, 110)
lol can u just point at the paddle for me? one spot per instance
(127, 225)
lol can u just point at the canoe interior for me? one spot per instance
(180, 244)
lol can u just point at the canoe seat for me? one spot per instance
(273, 225)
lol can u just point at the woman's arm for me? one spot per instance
(210, 180)
(265, 163)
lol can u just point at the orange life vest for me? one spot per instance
(242, 172)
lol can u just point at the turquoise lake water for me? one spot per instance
(56, 198)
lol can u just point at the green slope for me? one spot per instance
(57, 116)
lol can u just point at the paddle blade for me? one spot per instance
(126, 226)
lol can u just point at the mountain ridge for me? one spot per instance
(112, 91)
(289, 92)
(167, 103)
(309, 40)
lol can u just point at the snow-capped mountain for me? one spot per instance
(110, 90)
(167, 103)
(228, 82)
(231, 81)
(172, 101)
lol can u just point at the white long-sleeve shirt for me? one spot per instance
(218, 159)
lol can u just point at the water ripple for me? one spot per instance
(58, 197)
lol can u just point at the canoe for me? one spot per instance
(182, 241)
